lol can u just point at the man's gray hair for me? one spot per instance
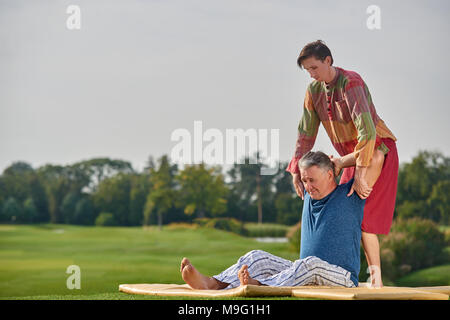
(317, 158)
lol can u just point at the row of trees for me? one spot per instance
(111, 192)
(161, 193)
(424, 188)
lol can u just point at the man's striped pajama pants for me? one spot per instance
(271, 270)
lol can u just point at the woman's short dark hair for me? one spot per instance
(316, 49)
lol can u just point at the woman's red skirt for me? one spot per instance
(379, 207)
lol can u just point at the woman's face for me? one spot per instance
(317, 69)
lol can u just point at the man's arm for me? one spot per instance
(367, 175)
(346, 161)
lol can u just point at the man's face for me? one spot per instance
(317, 69)
(318, 182)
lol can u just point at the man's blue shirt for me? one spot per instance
(331, 229)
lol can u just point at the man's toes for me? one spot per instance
(242, 270)
(184, 263)
(187, 272)
(243, 275)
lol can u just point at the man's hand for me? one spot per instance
(360, 184)
(337, 165)
(298, 185)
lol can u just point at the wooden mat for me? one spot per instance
(335, 293)
(186, 290)
(385, 293)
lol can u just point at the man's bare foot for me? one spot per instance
(244, 277)
(197, 280)
(184, 262)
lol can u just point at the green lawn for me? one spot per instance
(34, 259)
(434, 276)
(266, 229)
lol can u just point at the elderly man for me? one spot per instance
(330, 239)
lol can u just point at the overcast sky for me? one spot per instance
(138, 70)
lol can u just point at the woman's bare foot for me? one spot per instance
(244, 277)
(197, 280)
(376, 282)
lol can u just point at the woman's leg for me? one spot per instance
(370, 240)
(372, 251)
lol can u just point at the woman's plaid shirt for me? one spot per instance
(346, 110)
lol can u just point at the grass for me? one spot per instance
(124, 296)
(434, 276)
(266, 230)
(34, 259)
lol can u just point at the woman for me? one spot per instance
(341, 101)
